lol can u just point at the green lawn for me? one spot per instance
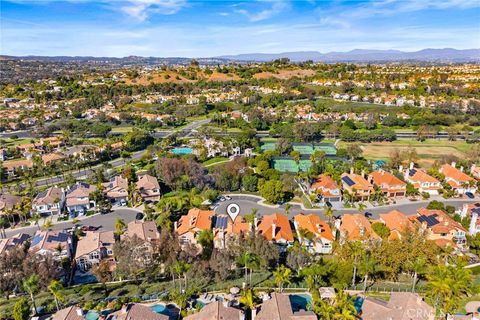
(15, 142)
(122, 129)
(213, 161)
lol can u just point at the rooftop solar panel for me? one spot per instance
(412, 172)
(221, 222)
(36, 240)
(348, 181)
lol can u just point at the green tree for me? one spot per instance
(282, 276)
(55, 288)
(21, 309)
(272, 191)
(31, 286)
(381, 229)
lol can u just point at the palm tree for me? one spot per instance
(248, 299)
(30, 285)
(248, 260)
(288, 206)
(250, 218)
(367, 266)
(48, 224)
(36, 219)
(418, 266)
(54, 288)
(119, 226)
(329, 214)
(344, 306)
(282, 275)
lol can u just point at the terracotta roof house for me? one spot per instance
(94, 247)
(225, 231)
(356, 185)
(280, 307)
(422, 181)
(217, 311)
(16, 240)
(78, 200)
(116, 190)
(190, 225)
(50, 158)
(8, 202)
(327, 189)
(356, 227)
(321, 234)
(136, 311)
(13, 166)
(56, 243)
(397, 222)
(276, 228)
(472, 210)
(148, 188)
(442, 229)
(70, 313)
(144, 230)
(460, 182)
(49, 202)
(401, 306)
(391, 186)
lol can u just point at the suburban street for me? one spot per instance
(106, 222)
(247, 203)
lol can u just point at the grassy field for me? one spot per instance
(15, 142)
(428, 151)
(122, 129)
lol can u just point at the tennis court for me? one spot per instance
(289, 165)
(328, 148)
(268, 146)
(303, 148)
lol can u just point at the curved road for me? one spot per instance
(247, 202)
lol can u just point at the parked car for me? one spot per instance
(228, 197)
(368, 214)
(222, 199)
(89, 228)
(470, 195)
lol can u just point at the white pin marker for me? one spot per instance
(233, 210)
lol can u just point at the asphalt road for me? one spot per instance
(105, 221)
(247, 203)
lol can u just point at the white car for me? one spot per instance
(228, 197)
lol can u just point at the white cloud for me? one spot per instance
(275, 8)
(143, 9)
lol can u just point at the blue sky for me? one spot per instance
(210, 28)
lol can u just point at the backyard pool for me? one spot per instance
(300, 301)
(91, 315)
(182, 150)
(84, 279)
(358, 303)
(169, 310)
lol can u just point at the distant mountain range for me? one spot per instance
(446, 55)
(360, 55)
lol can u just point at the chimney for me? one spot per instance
(473, 224)
(254, 313)
(79, 311)
(175, 225)
(464, 211)
(274, 230)
(351, 170)
(411, 165)
(363, 173)
(255, 223)
(461, 168)
(454, 164)
(400, 168)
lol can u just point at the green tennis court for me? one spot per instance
(268, 146)
(289, 165)
(303, 148)
(329, 149)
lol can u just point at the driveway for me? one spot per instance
(247, 203)
(106, 222)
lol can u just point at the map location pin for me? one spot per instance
(233, 210)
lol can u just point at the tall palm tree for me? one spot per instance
(31, 285)
(248, 299)
(282, 276)
(367, 266)
(418, 266)
(119, 226)
(328, 212)
(248, 260)
(55, 287)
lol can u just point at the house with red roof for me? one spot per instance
(441, 228)
(356, 227)
(398, 222)
(460, 182)
(226, 231)
(276, 228)
(391, 186)
(313, 233)
(326, 188)
(190, 225)
(422, 181)
(357, 186)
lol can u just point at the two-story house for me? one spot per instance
(93, 248)
(326, 188)
(355, 227)
(49, 202)
(116, 190)
(78, 200)
(276, 228)
(441, 229)
(397, 222)
(225, 231)
(357, 186)
(313, 233)
(422, 181)
(391, 186)
(460, 182)
(471, 210)
(148, 188)
(190, 225)
(57, 243)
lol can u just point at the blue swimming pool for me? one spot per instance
(159, 308)
(182, 150)
(91, 315)
(84, 279)
(358, 303)
(300, 301)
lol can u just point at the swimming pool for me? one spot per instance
(159, 308)
(300, 301)
(358, 303)
(91, 315)
(182, 150)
